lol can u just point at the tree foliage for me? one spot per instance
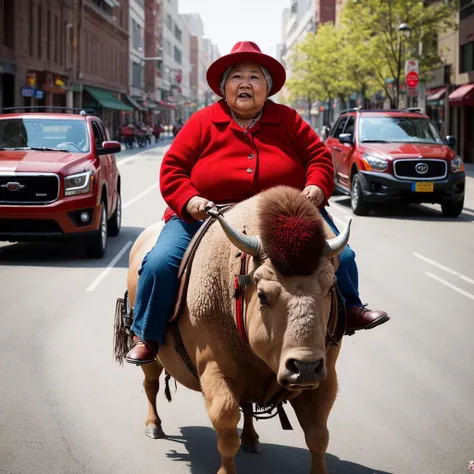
(366, 52)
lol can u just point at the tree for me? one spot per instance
(372, 27)
(316, 68)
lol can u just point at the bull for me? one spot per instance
(293, 256)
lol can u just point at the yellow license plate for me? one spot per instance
(422, 187)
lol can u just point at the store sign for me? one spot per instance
(28, 91)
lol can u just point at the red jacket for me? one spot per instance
(214, 158)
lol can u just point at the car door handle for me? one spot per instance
(336, 148)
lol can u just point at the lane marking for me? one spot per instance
(469, 213)
(446, 269)
(449, 285)
(139, 196)
(109, 267)
(141, 153)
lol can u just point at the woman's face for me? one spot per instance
(246, 89)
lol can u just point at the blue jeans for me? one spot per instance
(158, 278)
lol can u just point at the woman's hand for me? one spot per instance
(196, 207)
(315, 194)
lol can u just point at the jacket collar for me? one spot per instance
(221, 113)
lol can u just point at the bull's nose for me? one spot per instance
(305, 372)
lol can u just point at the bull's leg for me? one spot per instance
(151, 384)
(249, 437)
(223, 410)
(312, 409)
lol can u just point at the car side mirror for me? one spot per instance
(451, 141)
(346, 138)
(109, 147)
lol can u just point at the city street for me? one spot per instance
(406, 388)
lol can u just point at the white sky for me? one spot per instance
(227, 22)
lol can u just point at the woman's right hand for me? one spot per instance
(196, 208)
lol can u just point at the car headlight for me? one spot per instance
(76, 184)
(377, 163)
(457, 165)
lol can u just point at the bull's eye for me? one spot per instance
(262, 297)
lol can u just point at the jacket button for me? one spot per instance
(249, 170)
(251, 156)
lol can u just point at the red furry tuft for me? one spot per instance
(291, 230)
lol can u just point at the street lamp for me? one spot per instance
(405, 30)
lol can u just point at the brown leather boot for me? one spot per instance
(360, 317)
(142, 351)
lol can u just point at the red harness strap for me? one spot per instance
(239, 299)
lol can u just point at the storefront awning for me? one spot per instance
(462, 96)
(167, 105)
(437, 94)
(106, 99)
(135, 104)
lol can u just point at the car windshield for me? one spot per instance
(43, 134)
(398, 129)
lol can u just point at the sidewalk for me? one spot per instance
(469, 170)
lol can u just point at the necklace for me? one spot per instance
(252, 123)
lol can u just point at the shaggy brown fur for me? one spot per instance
(292, 231)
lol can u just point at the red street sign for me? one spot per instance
(412, 79)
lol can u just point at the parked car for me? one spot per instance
(58, 179)
(387, 155)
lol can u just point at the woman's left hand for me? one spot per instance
(315, 194)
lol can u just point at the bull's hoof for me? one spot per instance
(154, 432)
(252, 448)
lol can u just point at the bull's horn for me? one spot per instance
(246, 243)
(336, 245)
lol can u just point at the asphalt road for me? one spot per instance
(406, 401)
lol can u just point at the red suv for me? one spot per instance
(387, 155)
(58, 179)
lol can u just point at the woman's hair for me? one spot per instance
(265, 72)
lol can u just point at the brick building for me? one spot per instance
(65, 53)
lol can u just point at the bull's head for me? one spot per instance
(289, 307)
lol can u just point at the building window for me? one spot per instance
(177, 33)
(177, 55)
(169, 22)
(32, 41)
(467, 57)
(40, 32)
(106, 6)
(7, 24)
(56, 39)
(137, 35)
(48, 36)
(466, 9)
(137, 75)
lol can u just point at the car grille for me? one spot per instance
(24, 188)
(29, 226)
(420, 169)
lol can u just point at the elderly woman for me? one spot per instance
(226, 153)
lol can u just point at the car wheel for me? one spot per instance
(97, 243)
(115, 222)
(452, 209)
(358, 205)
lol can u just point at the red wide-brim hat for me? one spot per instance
(246, 51)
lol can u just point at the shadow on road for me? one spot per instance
(415, 212)
(66, 254)
(203, 458)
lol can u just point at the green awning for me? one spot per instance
(106, 99)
